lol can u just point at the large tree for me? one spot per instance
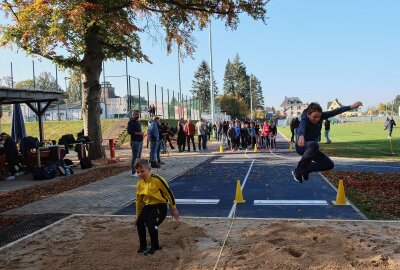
(237, 82)
(83, 33)
(201, 85)
(45, 81)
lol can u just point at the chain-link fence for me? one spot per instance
(147, 97)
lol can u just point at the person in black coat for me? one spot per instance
(11, 151)
(294, 124)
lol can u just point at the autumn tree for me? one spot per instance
(233, 105)
(201, 85)
(81, 34)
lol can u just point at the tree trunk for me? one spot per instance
(91, 109)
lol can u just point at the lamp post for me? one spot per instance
(179, 81)
(251, 100)
(211, 82)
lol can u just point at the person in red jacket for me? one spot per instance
(190, 130)
(265, 135)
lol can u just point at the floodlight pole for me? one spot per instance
(211, 82)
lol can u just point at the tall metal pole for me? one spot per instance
(148, 96)
(179, 77)
(128, 103)
(104, 91)
(66, 101)
(12, 76)
(33, 71)
(211, 83)
(58, 102)
(251, 101)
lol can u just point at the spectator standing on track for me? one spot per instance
(237, 134)
(265, 135)
(231, 136)
(252, 133)
(135, 130)
(313, 160)
(273, 132)
(190, 130)
(152, 198)
(225, 127)
(257, 132)
(153, 136)
(181, 141)
(327, 129)
(160, 143)
(201, 129)
(391, 124)
(387, 123)
(243, 135)
(209, 129)
(294, 125)
(166, 136)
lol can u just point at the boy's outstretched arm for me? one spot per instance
(328, 114)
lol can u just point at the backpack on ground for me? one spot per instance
(86, 163)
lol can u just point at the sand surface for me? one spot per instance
(103, 242)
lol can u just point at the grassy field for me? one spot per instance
(359, 140)
(53, 130)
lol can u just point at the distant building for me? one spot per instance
(336, 104)
(292, 106)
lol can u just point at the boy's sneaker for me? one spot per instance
(134, 174)
(150, 251)
(297, 176)
(141, 250)
(11, 177)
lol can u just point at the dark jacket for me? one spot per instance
(134, 126)
(327, 124)
(312, 132)
(10, 149)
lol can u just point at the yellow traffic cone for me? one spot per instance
(221, 149)
(255, 148)
(290, 147)
(341, 197)
(239, 195)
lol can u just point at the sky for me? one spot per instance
(315, 50)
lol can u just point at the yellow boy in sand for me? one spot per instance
(152, 197)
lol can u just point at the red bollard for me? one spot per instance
(112, 148)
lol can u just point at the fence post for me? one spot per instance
(169, 116)
(162, 102)
(155, 99)
(173, 103)
(140, 106)
(148, 96)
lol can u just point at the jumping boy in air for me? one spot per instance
(152, 198)
(313, 160)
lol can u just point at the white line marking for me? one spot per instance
(290, 202)
(244, 183)
(197, 201)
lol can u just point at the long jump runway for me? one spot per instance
(268, 188)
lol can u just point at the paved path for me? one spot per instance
(109, 195)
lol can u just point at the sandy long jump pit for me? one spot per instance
(104, 242)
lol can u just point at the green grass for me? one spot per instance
(53, 130)
(359, 140)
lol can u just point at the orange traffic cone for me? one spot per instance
(221, 149)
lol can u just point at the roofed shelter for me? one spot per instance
(37, 100)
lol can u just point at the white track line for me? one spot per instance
(242, 187)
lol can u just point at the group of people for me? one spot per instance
(187, 132)
(246, 134)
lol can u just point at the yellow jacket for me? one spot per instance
(153, 190)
